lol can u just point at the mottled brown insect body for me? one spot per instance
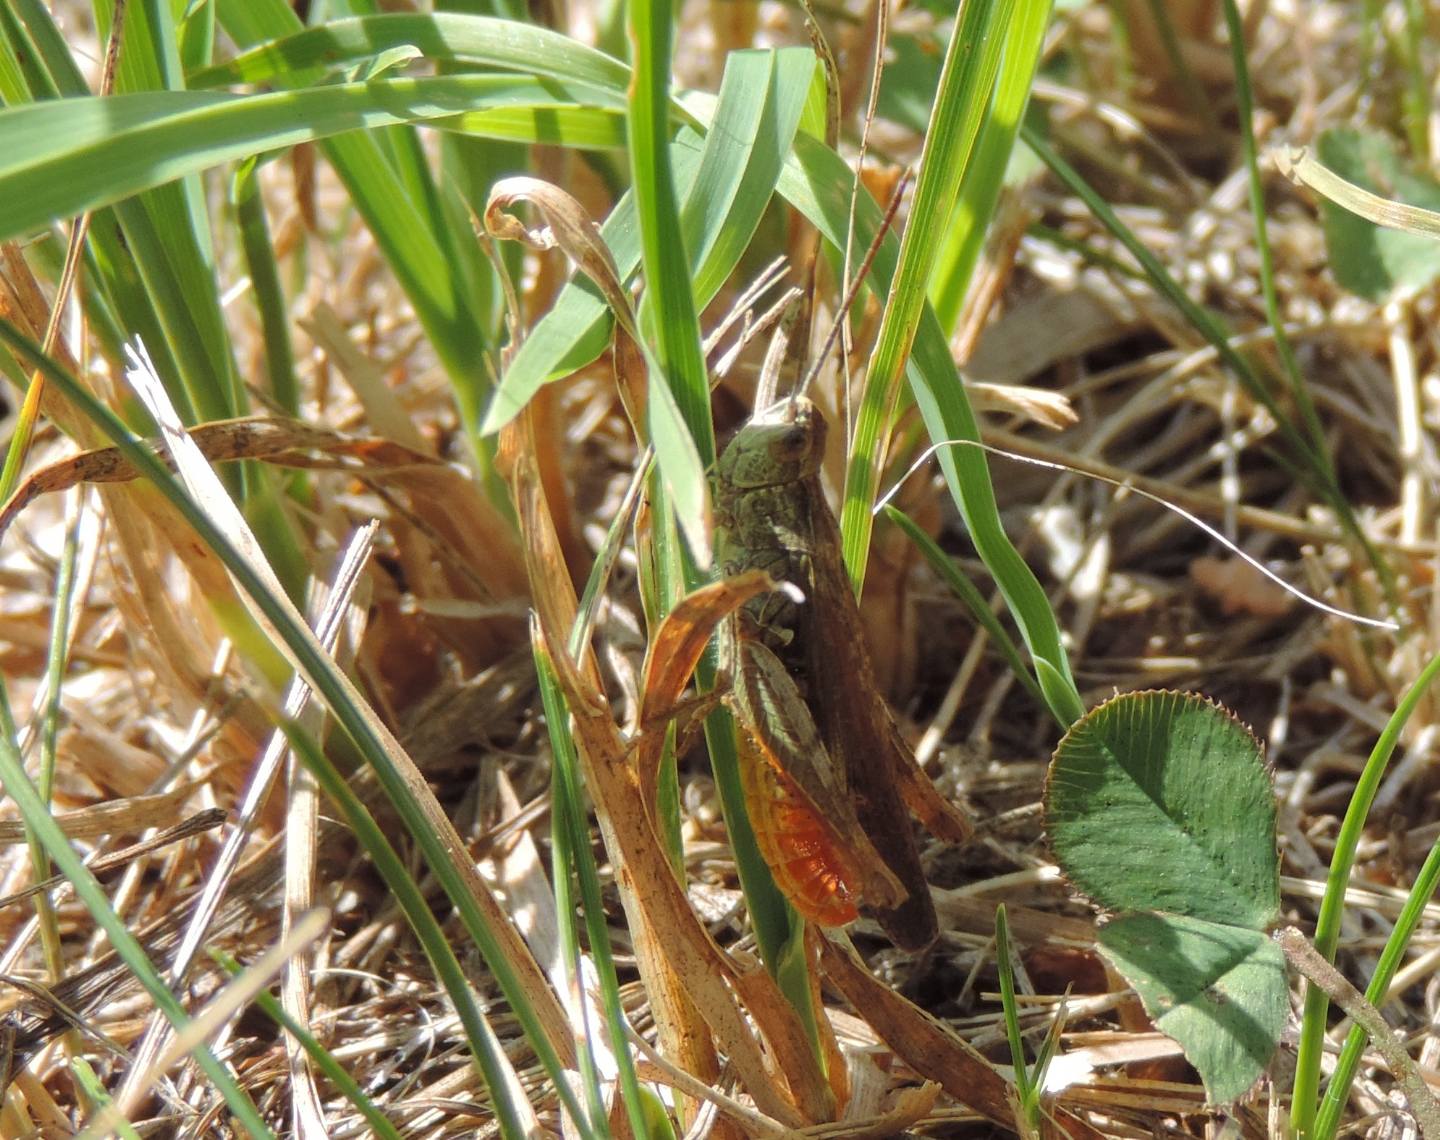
(771, 515)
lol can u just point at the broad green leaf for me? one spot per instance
(1368, 259)
(1161, 801)
(1219, 991)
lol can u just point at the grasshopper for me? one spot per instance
(827, 773)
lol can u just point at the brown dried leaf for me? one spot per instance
(128, 814)
(1239, 587)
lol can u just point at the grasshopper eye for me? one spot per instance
(794, 444)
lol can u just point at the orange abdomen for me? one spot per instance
(795, 844)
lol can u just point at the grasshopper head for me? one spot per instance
(781, 444)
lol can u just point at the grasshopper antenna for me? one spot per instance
(1174, 508)
(853, 290)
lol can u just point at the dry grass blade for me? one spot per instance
(1297, 164)
(132, 814)
(209, 1020)
(201, 821)
(285, 443)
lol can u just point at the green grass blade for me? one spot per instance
(1305, 1092)
(50, 66)
(762, 97)
(66, 156)
(88, 889)
(818, 183)
(1004, 965)
(411, 899)
(95, 1093)
(172, 219)
(265, 284)
(960, 247)
(1245, 108)
(573, 855)
(452, 37)
(962, 103)
(974, 600)
(583, 128)
(725, 190)
(1337, 1092)
(679, 391)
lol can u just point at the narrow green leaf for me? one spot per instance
(967, 592)
(964, 236)
(265, 285)
(967, 83)
(678, 387)
(1392, 957)
(173, 220)
(66, 156)
(573, 856)
(819, 184)
(725, 190)
(1332, 906)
